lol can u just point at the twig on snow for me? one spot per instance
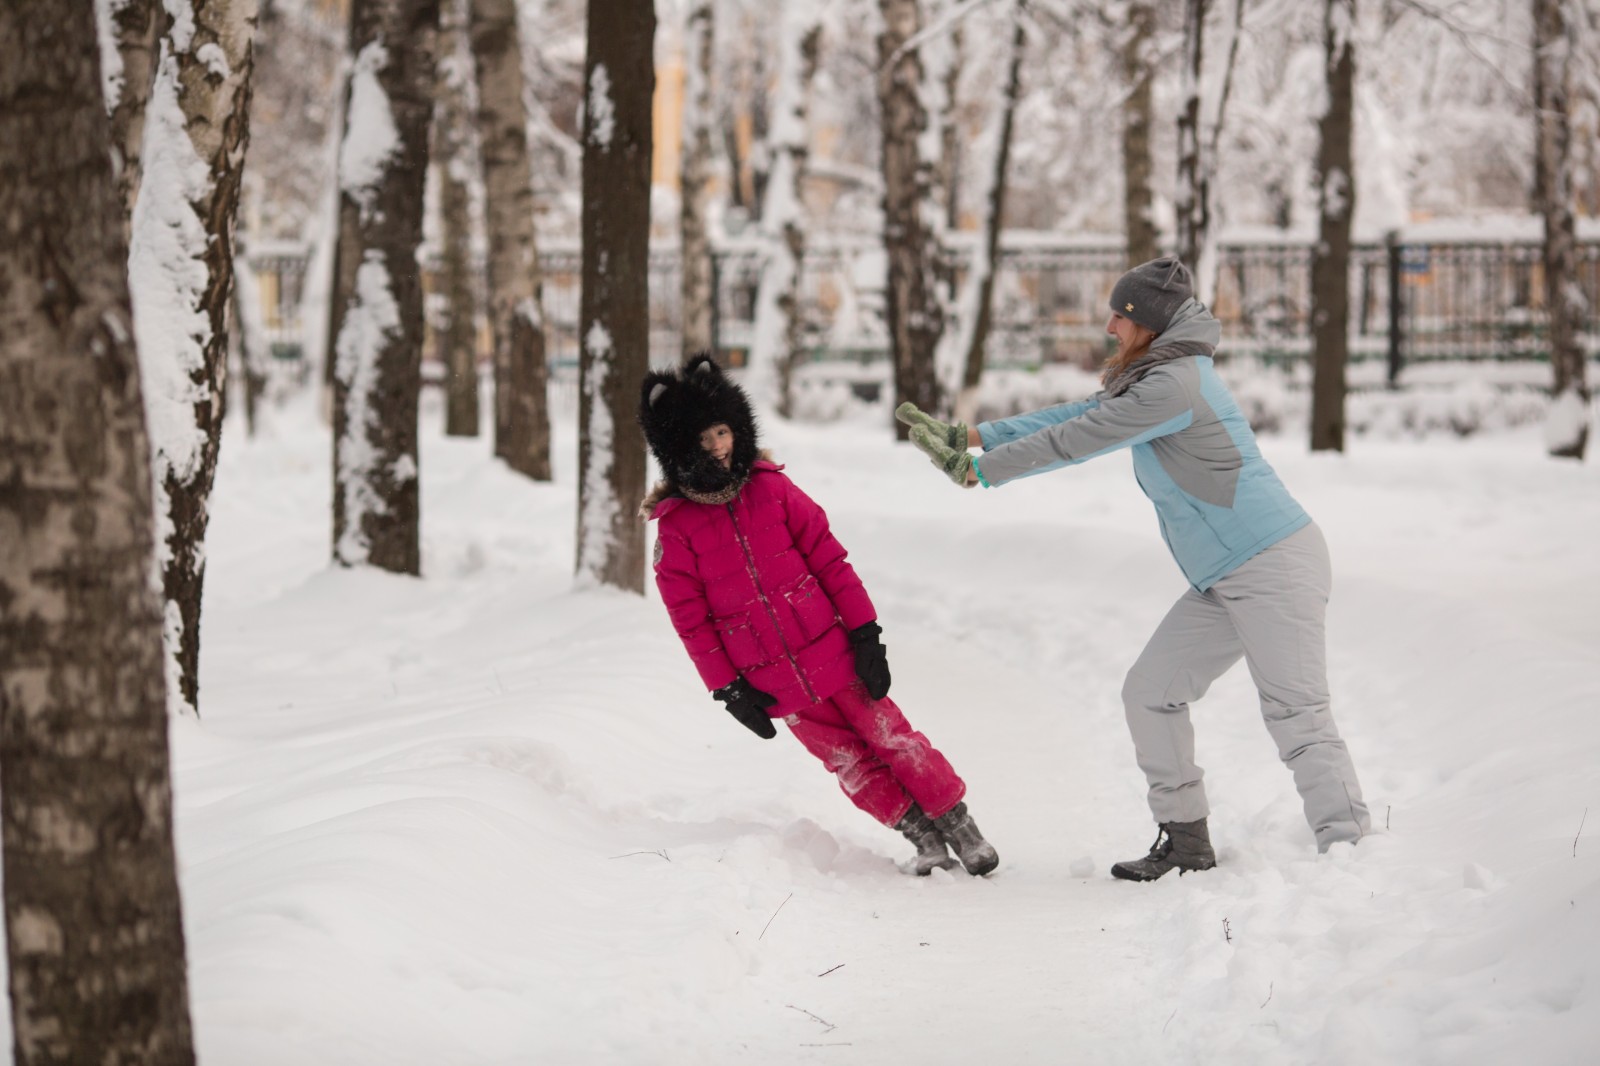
(1269, 995)
(825, 973)
(820, 1021)
(1227, 934)
(659, 851)
(786, 899)
(1585, 818)
(1171, 1016)
(843, 1044)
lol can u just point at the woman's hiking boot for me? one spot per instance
(932, 855)
(1182, 845)
(961, 833)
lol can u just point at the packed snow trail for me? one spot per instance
(483, 818)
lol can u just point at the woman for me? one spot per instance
(1257, 565)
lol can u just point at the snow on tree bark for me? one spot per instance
(1567, 426)
(130, 33)
(181, 274)
(521, 405)
(382, 169)
(776, 344)
(613, 311)
(694, 180)
(912, 308)
(1330, 259)
(94, 931)
(452, 150)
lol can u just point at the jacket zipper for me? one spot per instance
(777, 627)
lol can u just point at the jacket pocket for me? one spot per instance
(812, 608)
(739, 641)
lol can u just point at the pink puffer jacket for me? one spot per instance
(760, 587)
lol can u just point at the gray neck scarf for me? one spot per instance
(1192, 331)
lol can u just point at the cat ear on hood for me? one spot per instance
(702, 364)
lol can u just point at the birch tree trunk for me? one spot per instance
(452, 150)
(181, 274)
(382, 169)
(914, 316)
(136, 25)
(613, 315)
(777, 337)
(977, 308)
(1137, 169)
(521, 405)
(1330, 260)
(1189, 198)
(694, 181)
(94, 932)
(1567, 426)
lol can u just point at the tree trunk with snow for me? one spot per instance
(977, 305)
(614, 314)
(1567, 426)
(1138, 76)
(136, 27)
(914, 315)
(1330, 260)
(383, 164)
(94, 931)
(521, 404)
(181, 273)
(776, 346)
(452, 150)
(694, 181)
(1189, 198)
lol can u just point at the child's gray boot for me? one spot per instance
(961, 833)
(918, 828)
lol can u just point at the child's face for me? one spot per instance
(718, 440)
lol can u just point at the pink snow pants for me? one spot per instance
(883, 764)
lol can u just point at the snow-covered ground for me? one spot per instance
(484, 818)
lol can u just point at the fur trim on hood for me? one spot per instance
(676, 406)
(665, 490)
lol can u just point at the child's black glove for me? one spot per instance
(872, 659)
(749, 705)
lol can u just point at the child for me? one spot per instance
(776, 620)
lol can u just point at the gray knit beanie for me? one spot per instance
(1151, 293)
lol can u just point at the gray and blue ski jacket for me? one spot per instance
(1218, 501)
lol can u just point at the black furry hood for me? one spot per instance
(676, 406)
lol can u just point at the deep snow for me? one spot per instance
(486, 818)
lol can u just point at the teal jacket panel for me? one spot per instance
(1218, 501)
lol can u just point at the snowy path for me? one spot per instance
(485, 819)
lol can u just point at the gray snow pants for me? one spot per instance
(1270, 611)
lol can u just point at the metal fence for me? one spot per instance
(1411, 301)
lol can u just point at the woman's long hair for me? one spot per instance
(1142, 339)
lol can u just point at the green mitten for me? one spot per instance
(955, 462)
(950, 434)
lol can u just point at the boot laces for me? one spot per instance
(1163, 845)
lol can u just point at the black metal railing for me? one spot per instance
(1411, 301)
